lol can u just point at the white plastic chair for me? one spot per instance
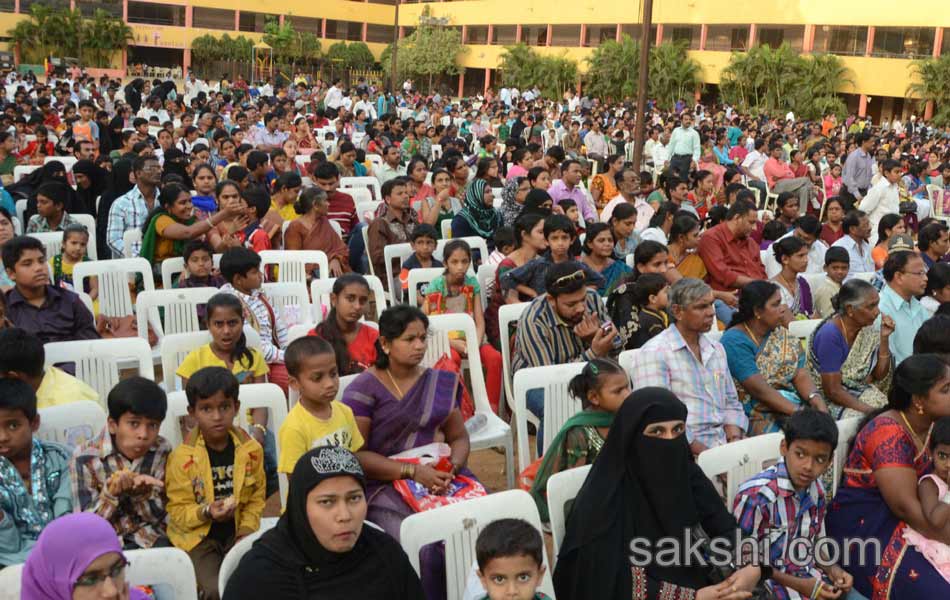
(495, 433)
(446, 227)
(365, 205)
(376, 159)
(17, 226)
(290, 301)
(89, 222)
(396, 252)
(420, 276)
(168, 566)
(815, 280)
(98, 362)
(803, 329)
(68, 161)
(486, 281)
(21, 171)
(365, 233)
(175, 265)
(458, 525)
(320, 290)
(302, 160)
(740, 460)
(233, 558)
(130, 238)
(362, 182)
(559, 405)
(21, 212)
(180, 308)
(562, 488)
(508, 314)
(474, 242)
(52, 241)
(71, 424)
(436, 151)
(292, 264)
(115, 300)
(847, 429)
(866, 276)
(175, 347)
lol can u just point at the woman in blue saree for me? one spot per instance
(598, 247)
(877, 497)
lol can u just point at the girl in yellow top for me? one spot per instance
(318, 419)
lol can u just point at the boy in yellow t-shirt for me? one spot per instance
(318, 419)
(22, 357)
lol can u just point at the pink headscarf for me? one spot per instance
(64, 550)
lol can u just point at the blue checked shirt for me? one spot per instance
(127, 212)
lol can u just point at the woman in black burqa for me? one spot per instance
(644, 486)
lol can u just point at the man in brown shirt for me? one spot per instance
(392, 225)
(731, 256)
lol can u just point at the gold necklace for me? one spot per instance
(755, 340)
(911, 429)
(844, 328)
(395, 385)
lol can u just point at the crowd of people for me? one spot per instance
(703, 259)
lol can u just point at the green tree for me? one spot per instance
(338, 54)
(613, 68)
(931, 83)
(104, 36)
(673, 74)
(822, 76)
(359, 56)
(51, 31)
(431, 50)
(281, 39)
(523, 67)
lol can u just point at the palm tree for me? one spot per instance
(673, 74)
(612, 69)
(105, 35)
(932, 84)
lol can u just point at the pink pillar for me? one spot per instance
(619, 33)
(929, 110)
(464, 34)
(16, 6)
(186, 61)
(583, 35)
(125, 60)
(461, 83)
(808, 44)
(938, 42)
(487, 80)
(549, 35)
(280, 20)
(363, 33)
(237, 20)
(125, 9)
(752, 32)
(323, 28)
(518, 33)
(72, 4)
(402, 32)
(863, 106)
(659, 34)
(189, 15)
(870, 45)
(703, 32)
(491, 35)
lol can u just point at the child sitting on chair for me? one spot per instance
(23, 357)
(510, 556)
(75, 242)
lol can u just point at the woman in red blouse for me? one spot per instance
(353, 341)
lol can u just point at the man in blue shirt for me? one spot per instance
(906, 277)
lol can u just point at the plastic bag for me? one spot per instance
(418, 497)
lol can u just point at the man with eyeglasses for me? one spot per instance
(131, 210)
(906, 277)
(566, 324)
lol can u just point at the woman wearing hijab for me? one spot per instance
(478, 216)
(90, 184)
(59, 568)
(537, 202)
(176, 163)
(133, 94)
(513, 198)
(644, 487)
(120, 184)
(322, 547)
(53, 171)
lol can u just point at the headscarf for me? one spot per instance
(640, 487)
(53, 171)
(484, 220)
(96, 175)
(510, 209)
(175, 164)
(289, 562)
(119, 185)
(63, 552)
(533, 201)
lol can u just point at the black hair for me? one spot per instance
(196, 246)
(14, 249)
(75, 228)
(390, 185)
(773, 230)
(564, 270)
(139, 396)
(522, 226)
(852, 219)
(593, 231)
(739, 208)
(787, 247)
(329, 329)
(932, 336)
(308, 199)
(21, 352)
(683, 223)
(623, 211)
(453, 246)
(784, 198)
(505, 235)
(647, 251)
(535, 172)
(938, 277)
(752, 297)
(237, 261)
(646, 285)
(424, 230)
(554, 223)
(896, 262)
(208, 381)
(258, 197)
(940, 433)
(810, 424)
(16, 394)
(888, 221)
(508, 538)
(392, 324)
(309, 345)
(809, 224)
(288, 180)
(255, 159)
(929, 233)
(663, 211)
(837, 254)
(915, 376)
(241, 353)
(326, 170)
(589, 379)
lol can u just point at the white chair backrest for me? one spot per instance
(867, 276)
(365, 205)
(508, 314)
(320, 290)
(421, 276)
(233, 558)
(98, 362)
(475, 243)
(10, 582)
(68, 161)
(21, 212)
(21, 171)
(89, 222)
(130, 238)
(446, 228)
(376, 159)
(802, 329)
(740, 460)
(72, 424)
(363, 182)
(175, 347)
(563, 487)
(169, 566)
(170, 311)
(847, 429)
(17, 226)
(365, 233)
(52, 241)
(559, 405)
(175, 265)
(436, 151)
(302, 161)
(458, 525)
(290, 301)
(396, 252)
(115, 300)
(815, 280)
(292, 264)
(486, 281)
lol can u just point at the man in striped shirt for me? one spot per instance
(567, 324)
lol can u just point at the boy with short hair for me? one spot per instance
(318, 419)
(120, 473)
(199, 272)
(504, 244)
(241, 267)
(51, 313)
(423, 239)
(510, 557)
(22, 357)
(34, 475)
(837, 265)
(85, 129)
(215, 478)
(788, 497)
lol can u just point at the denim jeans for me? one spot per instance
(270, 461)
(359, 259)
(724, 312)
(535, 402)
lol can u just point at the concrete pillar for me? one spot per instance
(752, 32)
(870, 45)
(491, 34)
(402, 32)
(16, 6)
(461, 83)
(550, 33)
(323, 28)
(487, 80)
(125, 60)
(808, 44)
(72, 4)
(362, 33)
(929, 110)
(863, 106)
(583, 35)
(659, 34)
(125, 9)
(619, 35)
(190, 15)
(464, 34)
(938, 42)
(237, 20)
(280, 20)
(186, 61)
(518, 33)
(703, 32)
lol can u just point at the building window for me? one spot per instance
(904, 42)
(252, 21)
(382, 34)
(727, 37)
(847, 41)
(212, 18)
(688, 34)
(476, 34)
(344, 30)
(597, 34)
(309, 24)
(566, 35)
(534, 35)
(634, 30)
(774, 36)
(156, 14)
(504, 35)
(26, 4)
(88, 8)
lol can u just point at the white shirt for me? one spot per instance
(655, 234)
(882, 199)
(859, 256)
(334, 97)
(755, 163)
(367, 107)
(661, 155)
(816, 258)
